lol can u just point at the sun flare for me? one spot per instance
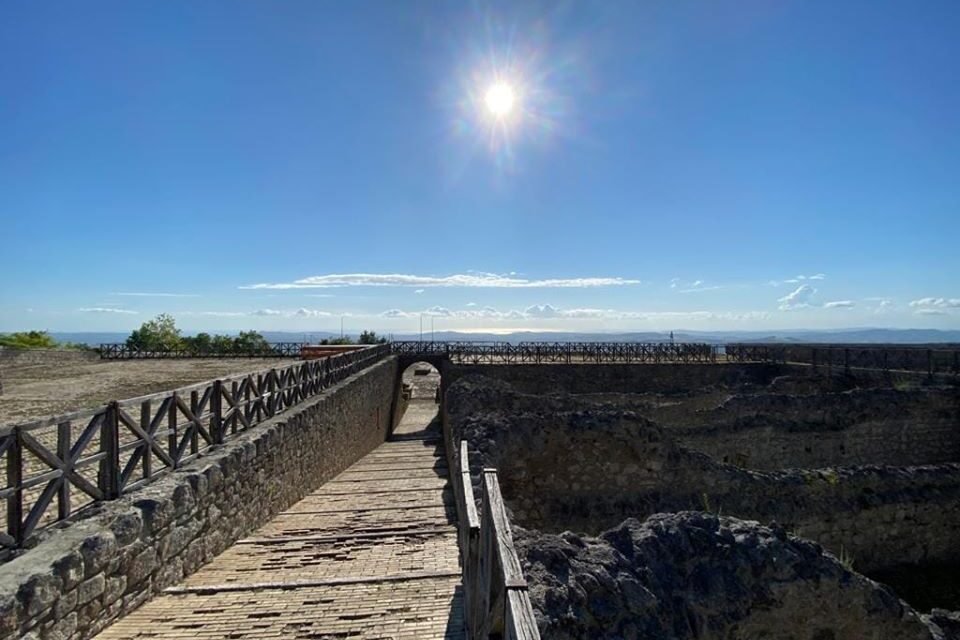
(500, 99)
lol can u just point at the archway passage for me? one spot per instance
(422, 379)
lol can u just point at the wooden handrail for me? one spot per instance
(497, 600)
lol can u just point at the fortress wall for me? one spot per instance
(860, 427)
(897, 442)
(615, 378)
(586, 469)
(82, 577)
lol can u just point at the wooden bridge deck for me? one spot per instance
(371, 554)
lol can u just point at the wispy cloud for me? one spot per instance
(266, 313)
(935, 306)
(487, 280)
(839, 304)
(106, 310)
(149, 294)
(798, 298)
(696, 286)
(799, 279)
(214, 314)
(550, 312)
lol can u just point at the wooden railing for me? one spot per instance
(59, 465)
(271, 350)
(559, 352)
(931, 360)
(497, 601)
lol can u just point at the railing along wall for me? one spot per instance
(560, 352)
(844, 358)
(124, 352)
(59, 465)
(497, 600)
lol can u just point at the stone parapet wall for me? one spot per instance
(81, 577)
(614, 378)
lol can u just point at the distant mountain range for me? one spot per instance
(849, 336)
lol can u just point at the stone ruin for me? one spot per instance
(638, 514)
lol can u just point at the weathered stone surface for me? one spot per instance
(569, 464)
(696, 575)
(589, 463)
(91, 588)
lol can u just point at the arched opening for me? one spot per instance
(419, 402)
(421, 380)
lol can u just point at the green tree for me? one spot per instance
(343, 340)
(158, 334)
(370, 337)
(200, 343)
(251, 342)
(222, 344)
(28, 340)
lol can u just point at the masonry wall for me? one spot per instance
(564, 466)
(877, 426)
(614, 378)
(79, 579)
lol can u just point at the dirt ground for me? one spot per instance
(55, 386)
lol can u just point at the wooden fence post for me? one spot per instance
(109, 476)
(15, 482)
(930, 362)
(216, 412)
(63, 452)
(173, 440)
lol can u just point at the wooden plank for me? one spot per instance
(520, 623)
(63, 452)
(502, 536)
(470, 506)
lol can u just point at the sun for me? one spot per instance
(500, 99)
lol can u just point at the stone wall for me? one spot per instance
(567, 464)
(81, 577)
(614, 378)
(858, 427)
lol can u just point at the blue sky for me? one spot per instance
(666, 165)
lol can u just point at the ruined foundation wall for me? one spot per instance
(80, 578)
(864, 426)
(587, 468)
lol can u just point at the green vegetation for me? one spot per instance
(370, 337)
(846, 559)
(159, 334)
(162, 334)
(366, 337)
(35, 340)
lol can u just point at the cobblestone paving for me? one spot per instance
(370, 555)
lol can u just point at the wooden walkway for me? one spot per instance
(371, 554)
